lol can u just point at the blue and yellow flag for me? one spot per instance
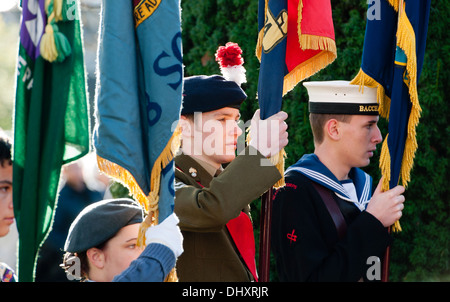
(138, 100)
(394, 48)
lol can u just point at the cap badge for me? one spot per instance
(193, 172)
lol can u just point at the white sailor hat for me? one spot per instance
(341, 97)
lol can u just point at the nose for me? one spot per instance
(377, 138)
(235, 130)
(239, 130)
(10, 202)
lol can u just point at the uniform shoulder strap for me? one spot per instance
(333, 209)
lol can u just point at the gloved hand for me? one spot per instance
(167, 233)
(269, 136)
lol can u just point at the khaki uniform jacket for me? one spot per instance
(209, 251)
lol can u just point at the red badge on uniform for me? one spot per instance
(291, 236)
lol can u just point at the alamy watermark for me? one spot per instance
(374, 271)
(72, 267)
(212, 137)
(72, 12)
(373, 10)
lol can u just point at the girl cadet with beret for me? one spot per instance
(212, 202)
(102, 244)
(326, 224)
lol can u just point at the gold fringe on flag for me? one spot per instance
(313, 64)
(150, 202)
(394, 4)
(406, 40)
(307, 69)
(362, 79)
(278, 161)
(259, 47)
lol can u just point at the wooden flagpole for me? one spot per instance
(386, 260)
(385, 263)
(264, 236)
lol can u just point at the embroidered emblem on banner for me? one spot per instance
(291, 236)
(275, 30)
(145, 9)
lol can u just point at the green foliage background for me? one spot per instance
(421, 252)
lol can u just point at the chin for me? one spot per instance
(361, 163)
(365, 163)
(4, 231)
(224, 159)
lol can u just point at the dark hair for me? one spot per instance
(189, 116)
(5, 151)
(69, 261)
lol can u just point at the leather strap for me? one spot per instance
(333, 209)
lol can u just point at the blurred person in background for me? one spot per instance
(74, 196)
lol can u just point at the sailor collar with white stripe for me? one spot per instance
(311, 167)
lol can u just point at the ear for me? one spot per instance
(96, 257)
(186, 126)
(332, 129)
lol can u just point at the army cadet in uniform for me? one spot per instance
(103, 238)
(212, 203)
(326, 224)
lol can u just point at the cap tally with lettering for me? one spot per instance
(341, 97)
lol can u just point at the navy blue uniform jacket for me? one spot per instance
(305, 242)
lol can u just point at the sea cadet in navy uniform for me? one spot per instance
(326, 223)
(212, 203)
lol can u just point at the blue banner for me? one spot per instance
(394, 48)
(139, 94)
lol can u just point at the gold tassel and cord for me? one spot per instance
(54, 46)
(150, 202)
(407, 42)
(278, 161)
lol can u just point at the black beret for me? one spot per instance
(207, 93)
(100, 221)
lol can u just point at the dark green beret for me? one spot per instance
(100, 221)
(207, 93)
